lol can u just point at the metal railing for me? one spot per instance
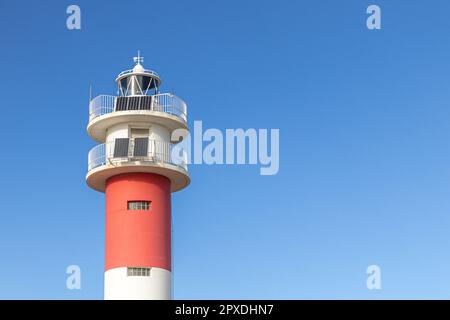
(101, 105)
(171, 104)
(164, 102)
(150, 72)
(97, 156)
(157, 152)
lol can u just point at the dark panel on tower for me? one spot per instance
(121, 147)
(146, 103)
(140, 147)
(134, 103)
(121, 103)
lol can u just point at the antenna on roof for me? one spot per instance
(138, 59)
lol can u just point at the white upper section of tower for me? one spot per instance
(115, 122)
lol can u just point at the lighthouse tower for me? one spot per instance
(132, 165)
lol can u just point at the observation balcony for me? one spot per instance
(105, 111)
(124, 155)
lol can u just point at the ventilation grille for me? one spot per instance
(138, 205)
(138, 272)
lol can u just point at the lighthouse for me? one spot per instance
(132, 165)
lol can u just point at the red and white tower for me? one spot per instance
(133, 167)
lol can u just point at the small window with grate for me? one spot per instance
(138, 205)
(138, 272)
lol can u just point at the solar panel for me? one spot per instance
(121, 147)
(140, 147)
(134, 103)
(146, 103)
(121, 103)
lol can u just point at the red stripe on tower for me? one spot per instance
(138, 237)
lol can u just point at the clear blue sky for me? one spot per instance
(364, 119)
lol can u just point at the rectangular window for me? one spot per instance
(121, 146)
(138, 272)
(139, 133)
(138, 205)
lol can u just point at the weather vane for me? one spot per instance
(138, 59)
